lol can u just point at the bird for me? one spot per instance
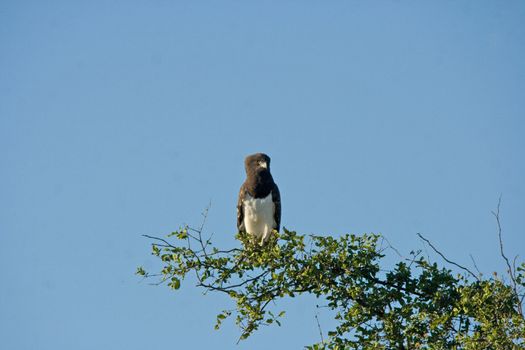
(259, 204)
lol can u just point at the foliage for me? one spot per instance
(414, 305)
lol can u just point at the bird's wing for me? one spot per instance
(240, 208)
(276, 197)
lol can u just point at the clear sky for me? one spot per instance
(123, 118)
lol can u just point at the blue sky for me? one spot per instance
(123, 118)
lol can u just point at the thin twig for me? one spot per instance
(391, 246)
(319, 327)
(514, 263)
(447, 260)
(205, 216)
(496, 215)
(511, 270)
(475, 265)
(232, 286)
(414, 257)
(160, 239)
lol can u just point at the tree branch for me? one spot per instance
(511, 271)
(447, 260)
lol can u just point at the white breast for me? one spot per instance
(259, 216)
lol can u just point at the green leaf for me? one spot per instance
(182, 234)
(155, 249)
(175, 283)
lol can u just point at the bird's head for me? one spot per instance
(257, 163)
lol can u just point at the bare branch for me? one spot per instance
(167, 244)
(447, 260)
(384, 239)
(205, 216)
(502, 252)
(475, 265)
(414, 257)
(510, 269)
(319, 327)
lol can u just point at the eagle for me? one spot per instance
(259, 204)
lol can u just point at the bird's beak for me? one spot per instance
(263, 165)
